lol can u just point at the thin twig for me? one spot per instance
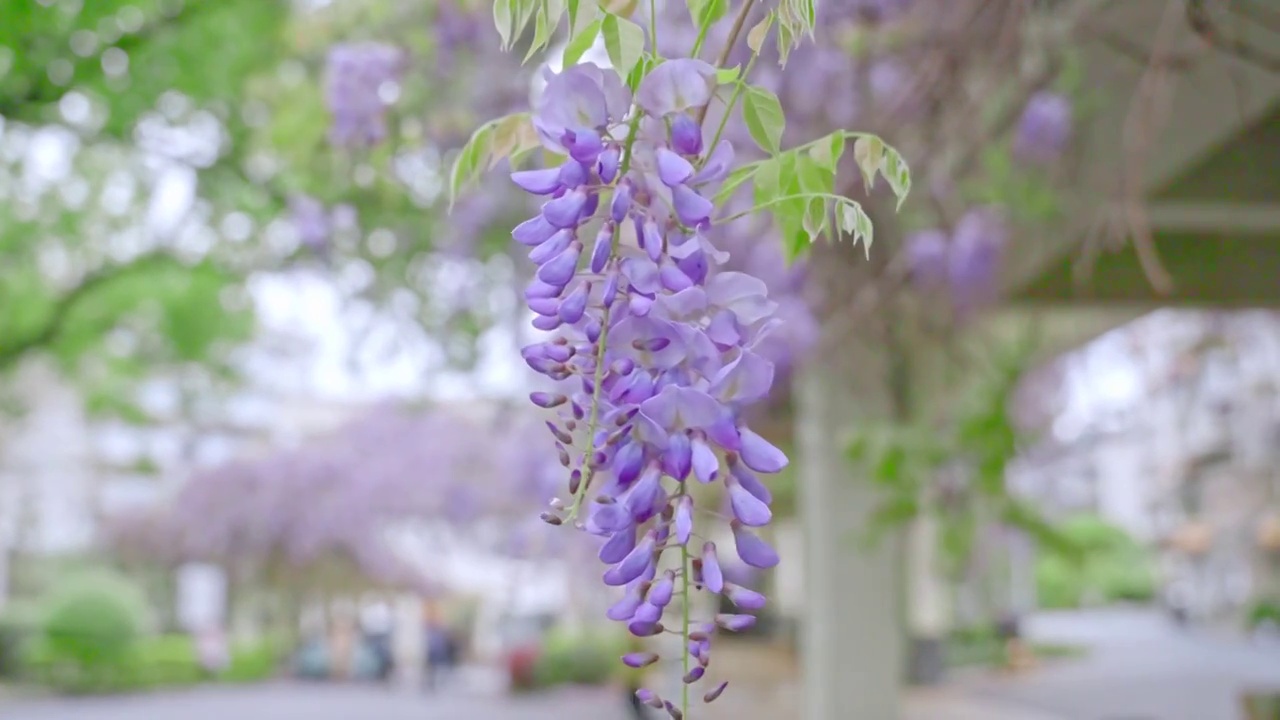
(738, 23)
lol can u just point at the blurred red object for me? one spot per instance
(522, 665)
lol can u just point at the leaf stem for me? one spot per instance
(653, 27)
(738, 23)
(784, 198)
(733, 100)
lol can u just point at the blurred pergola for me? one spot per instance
(1180, 159)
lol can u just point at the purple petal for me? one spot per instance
(759, 454)
(618, 546)
(641, 497)
(574, 174)
(706, 466)
(573, 307)
(540, 290)
(745, 380)
(537, 182)
(679, 408)
(639, 659)
(660, 593)
(627, 463)
(684, 519)
(610, 292)
(755, 552)
(678, 456)
(735, 623)
(651, 240)
(621, 203)
(547, 400)
(602, 249)
(566, 210)
(533, 231)
(691, 208)
(547, 323)
(609, 161)
(673, 278)
(686, 135)
(625, 609)
(749, 481)
(676, 86)
(746, 296)
(648, 613)
(718, 164)
(642, 273)
(673, 170)
(560, 269)
(633, 565)
(715, 692)
(748, 508)
(712, 575)
(743, 597)
(549, 307)
(584, 145)
(552, 247)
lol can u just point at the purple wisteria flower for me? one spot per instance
(977, 251)
(1044, 130)
(656, 344)
(361, 82)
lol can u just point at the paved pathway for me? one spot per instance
(1141, 667)
(317, 702)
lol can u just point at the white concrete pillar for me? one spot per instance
(852, 643)
(408, 640)
(929, 616)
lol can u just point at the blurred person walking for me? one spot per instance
(378, 626)
(442, 650)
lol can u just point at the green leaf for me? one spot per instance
(735, 181)
(549, 13)
(513, 136)
(755, 38)
(813, 178)
(727, 76)
(767, 180)
(894, 169)
(765, 121)
(470, 161)
(581, 43)
(868, 151)
(827, 151)
(706, 12)
(796, 19)
(624, 41)
(642, 68)
(854, 221)
(504, 16)
(583, 14)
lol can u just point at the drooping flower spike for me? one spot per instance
(653, 343)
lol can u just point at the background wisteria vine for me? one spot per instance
(653, 343)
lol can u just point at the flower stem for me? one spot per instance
(687, 600)
(653, 27)
(593, 422)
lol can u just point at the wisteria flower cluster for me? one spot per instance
(362, 81)
(655, 346)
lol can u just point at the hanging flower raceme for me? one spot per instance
(362, 81)
(654, 344)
